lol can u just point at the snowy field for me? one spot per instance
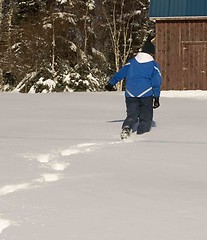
(66, 175)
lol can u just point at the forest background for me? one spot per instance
(68, 45)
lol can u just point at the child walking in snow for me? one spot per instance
(143, 82)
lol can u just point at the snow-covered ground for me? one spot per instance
(66, 175)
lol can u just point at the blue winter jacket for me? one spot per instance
(143, 77)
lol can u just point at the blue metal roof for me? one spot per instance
(178, 8)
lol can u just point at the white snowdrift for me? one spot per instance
(65, 174)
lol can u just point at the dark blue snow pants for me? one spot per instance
(139, 110)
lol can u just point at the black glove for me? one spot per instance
(156, 102)
(110, 87)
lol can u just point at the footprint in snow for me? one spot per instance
(57, 161)
(4, 223)
(55, 164)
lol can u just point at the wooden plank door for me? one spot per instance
(194, 65)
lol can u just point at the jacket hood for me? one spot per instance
(144, 57)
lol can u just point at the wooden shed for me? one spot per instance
(181, 42)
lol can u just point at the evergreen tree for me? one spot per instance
(68, 45)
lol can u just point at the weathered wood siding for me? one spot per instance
(182, 53)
